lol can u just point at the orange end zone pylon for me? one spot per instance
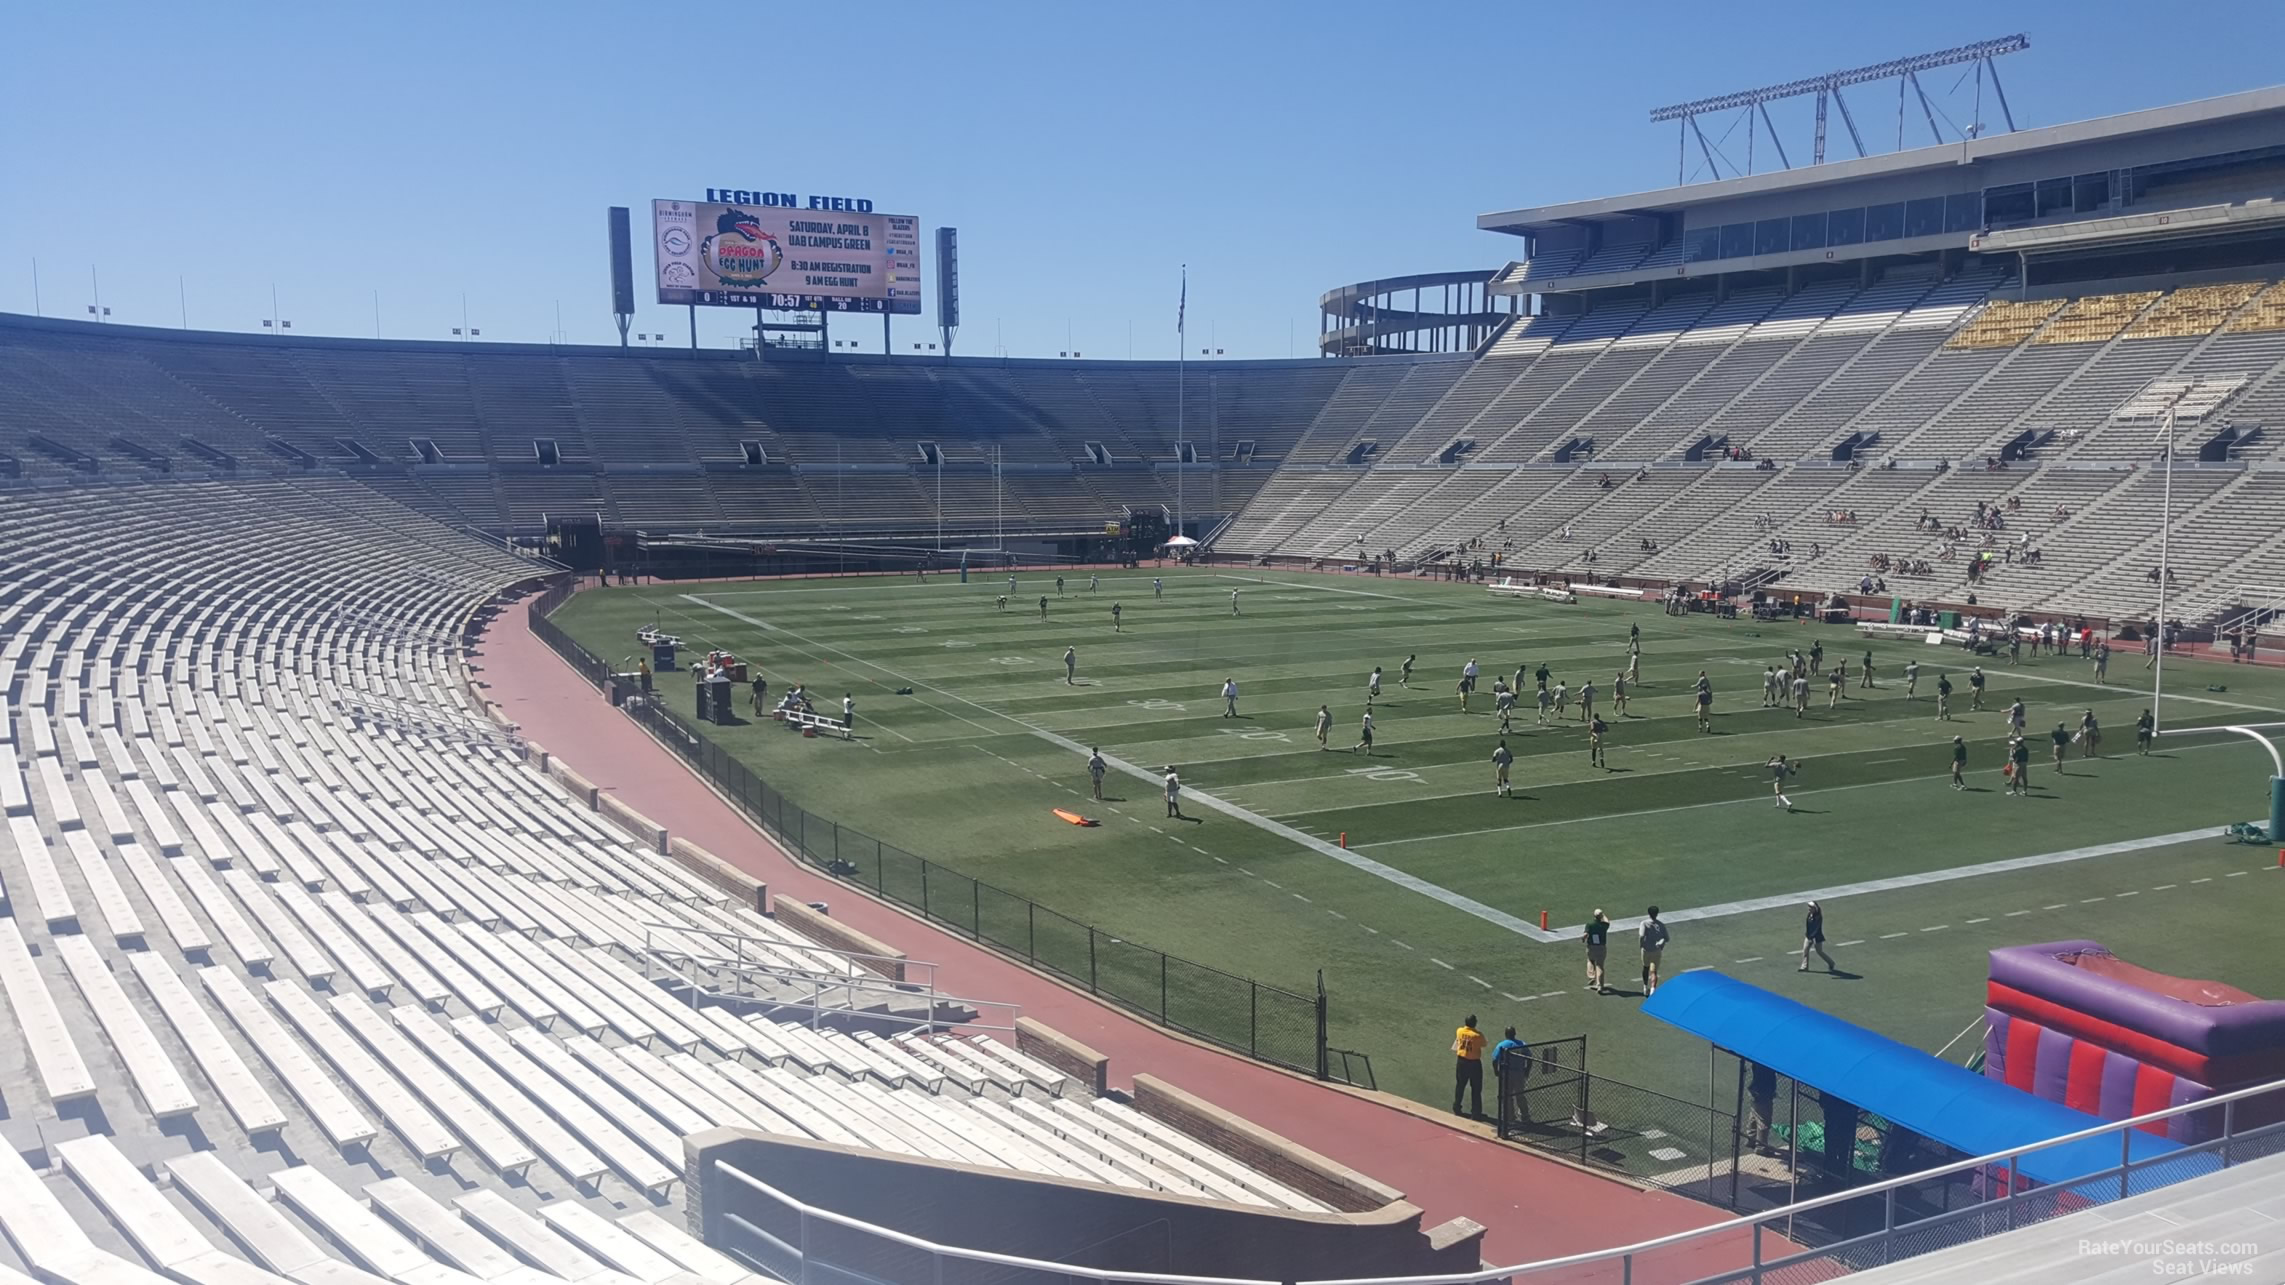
(1074, 818)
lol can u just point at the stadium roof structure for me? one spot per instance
(2249, 107)
(1933, 1098)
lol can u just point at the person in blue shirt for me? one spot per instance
(1511, 1062)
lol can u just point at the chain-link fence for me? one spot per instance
(1276, 1025)
(1549, 1100)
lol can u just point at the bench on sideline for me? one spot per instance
(1510, 587)
(796, 718)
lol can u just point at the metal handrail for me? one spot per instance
(687, 985)
(1752, 1223)
(971, 1255)
(2008, 1159)
(806, 947)
(683, 965)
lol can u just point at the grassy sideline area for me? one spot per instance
(965, 771)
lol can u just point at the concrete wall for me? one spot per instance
(1281, 1158)
(1045, 1218)
(580, 787)
(1064, 1054)
(714, 870)
(649, 833)
(826, 930)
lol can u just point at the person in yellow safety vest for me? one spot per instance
(1468, 1072)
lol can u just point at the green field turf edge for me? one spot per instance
(957, 773)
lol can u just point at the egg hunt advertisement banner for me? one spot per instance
(783, 252)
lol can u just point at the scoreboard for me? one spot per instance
(757, 255)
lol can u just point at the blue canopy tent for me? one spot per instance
(1950, 1104)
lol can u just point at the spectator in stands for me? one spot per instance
(1468, 1071)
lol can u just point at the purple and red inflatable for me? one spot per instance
(2070, 1022)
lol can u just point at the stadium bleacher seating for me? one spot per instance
(1758, 415)
(655, 440)
(317, 978)
(1918, 380)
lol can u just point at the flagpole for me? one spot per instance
(1181, 379)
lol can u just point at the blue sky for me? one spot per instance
(426, 152)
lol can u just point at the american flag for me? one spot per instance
(1182, 309)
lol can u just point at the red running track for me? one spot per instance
(1533, 1208)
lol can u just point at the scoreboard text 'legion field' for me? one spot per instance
(771, 254)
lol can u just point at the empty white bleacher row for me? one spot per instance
(308, 975)
(1622, 384)
(1908, 371)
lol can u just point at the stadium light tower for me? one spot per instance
(274, 321)
(1827, 87)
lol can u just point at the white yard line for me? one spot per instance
(1790, 899)
(1355, 860)
(1468, 905)
(1321, 588)
(2114, 689)
(1762, 799)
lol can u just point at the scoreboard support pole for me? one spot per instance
(694, 327)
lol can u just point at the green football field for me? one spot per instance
(1431, 910)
